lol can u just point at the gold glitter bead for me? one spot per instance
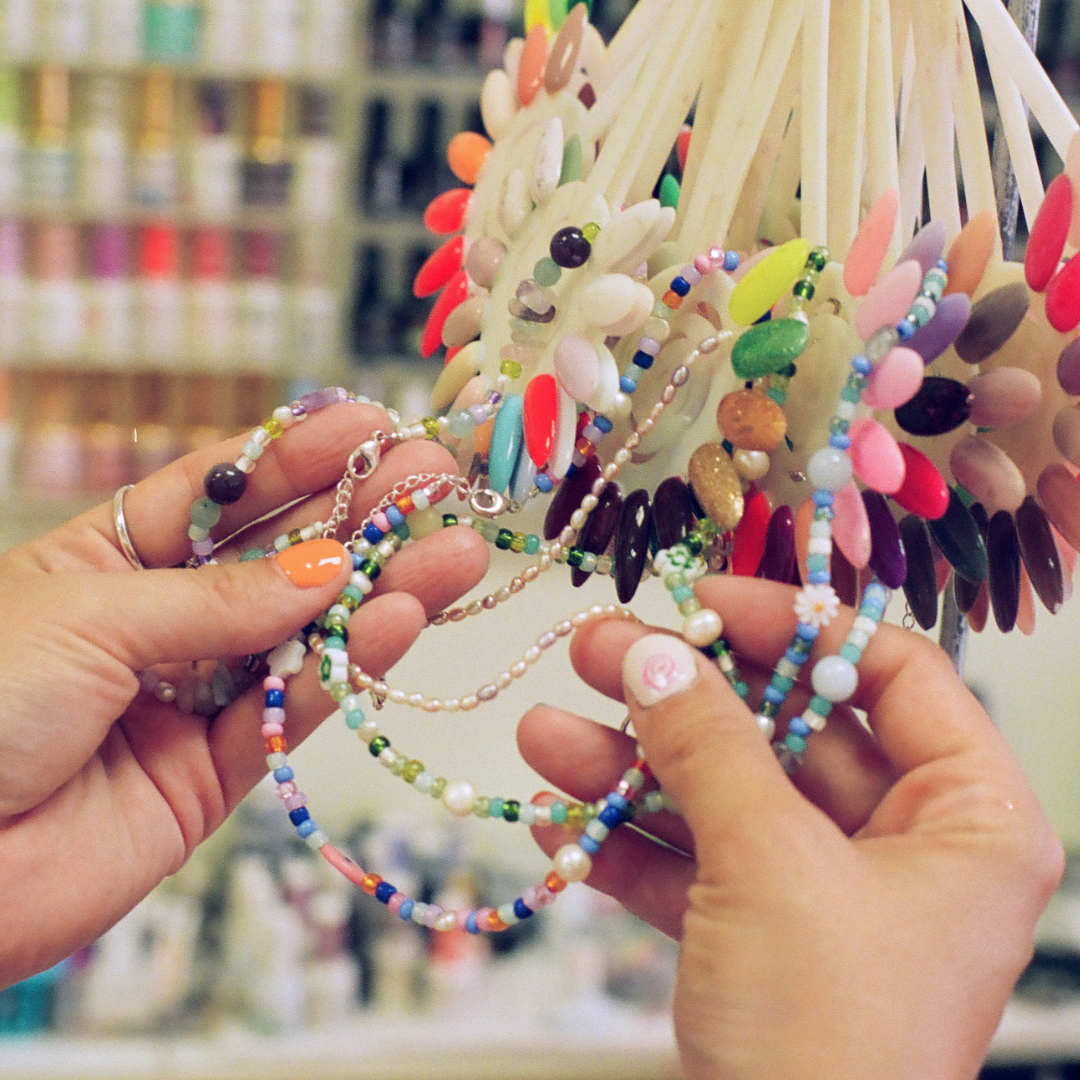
(716, 484)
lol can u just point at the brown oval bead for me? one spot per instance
(672, 512)
(598, 529)
(1039, 551)
(751, 421)
(993, 321)
(564, 50)
(568, 496)
(716, 485)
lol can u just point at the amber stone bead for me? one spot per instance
(920, 583)
(568, 496)
(1003, 561)
(1040, 554)
(672, 512)
(631, 544)
(598, 529)
(959, 540)
(751, 421)
(778, 558)
(940, 405)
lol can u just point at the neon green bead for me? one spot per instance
(766, 281)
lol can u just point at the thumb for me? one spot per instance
(164, 616)
(702, 742)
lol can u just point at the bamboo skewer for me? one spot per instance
(882, 165)
(815, 124)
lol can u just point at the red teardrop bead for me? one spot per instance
(1063, 297)
(539, 416)
(456, 290)
(451, 353)
(749, 544)
(924, 491)
(1049, 233)
(446, 213)
(682, 145)
(439, 267)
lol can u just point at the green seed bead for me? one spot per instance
(274, 428)
(378, 745)
(558, 813)
(449, 520)
(511, 369)
(495, 807)
(370, 569)
(511, 810)
(397, 766)
(547, 271)
(517, 544)
(532, 544)
(339, 691)
(504, 539)
(431, 427)
(205, 513)
(481, 805)
(412, 770)
(438, 786)
(590, 230)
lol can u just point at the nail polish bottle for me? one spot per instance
(107, 449)
(116, 32)
(262, 303)
(65, 29)
(58, 297)
(215, 153)
(371, 324)
(315, 322)
(328, 32)
(159, 295)
(14, 291)
(19, 28)
(110, 300)
(226, 44)
(156, 179)
(153, 436)
(318, 157)
(267, 170)
(275, 27)
(51, 461)
(50, 158)
(104, 160)
(171, 30)
(213, 298)
(204, 408)
(12, 143)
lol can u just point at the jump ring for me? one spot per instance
(122, 534)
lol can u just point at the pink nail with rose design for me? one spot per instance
(657, 666)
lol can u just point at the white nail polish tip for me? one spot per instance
(656, 667)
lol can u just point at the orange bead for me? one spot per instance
(495, 923)
(554, 882)
(482, 437)
(466, 154)
(405, 505)
(672, 300)
(971, 252)
(313, 563)
(370, 883)
(532, 65)
(276, 744)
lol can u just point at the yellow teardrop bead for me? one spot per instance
(766, 281)
(538, 11)
(716, 484)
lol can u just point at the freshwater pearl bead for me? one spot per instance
(766, 726)
(571, 863)
(834, 678)
(458, 798)
(829, 469)
(751, 464)
(702, 628)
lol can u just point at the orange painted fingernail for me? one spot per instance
(313, 563)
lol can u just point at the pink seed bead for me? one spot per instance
(273, 715)
(273, 682)
(692, 274)
(462, 918)
(395, 902)
(716, 256)
(431, 914)
(381, 522)
(703, 264)
(482, 917)
(649, 346)
(287, 788)
(295, 800)
(268, 731)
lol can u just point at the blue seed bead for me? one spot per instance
(822, 498)
(679, 285)
(818, 577)
(616, 800)
(877, 593)
(602, 422)
(588, 845)
(643, 360)
(470, 923)
(862, 365)
(793, 656)
(840, 442)
(306, 828)
(806, 631)
(495, 809)
(731, 261)
(406, 910)
(544, 482)
(394, 515)
(611, 816)
(521, 909)
(275, 699)
(799, 726)
(627, 385)
(773, 695)
(905, 330)
(357, 558)
(372, 534)
(283, 774)
(383, 891)
(300, 814)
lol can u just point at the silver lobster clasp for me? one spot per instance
(370, 451)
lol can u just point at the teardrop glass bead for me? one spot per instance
(1040, 554)
(672, 512)
(924, 491)
(952, 315)
(1003, 559)
(598, 529)
(1048, 234)
(966, 592)
(959, 540)
(631, 544)
(749, 543)
(940, 405)
(920, 582)
(568, 496)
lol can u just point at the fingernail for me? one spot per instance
(313, 563)
(657, 666)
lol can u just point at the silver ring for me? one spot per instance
(624, 727)
(122, 534)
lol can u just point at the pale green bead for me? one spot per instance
(205, 513)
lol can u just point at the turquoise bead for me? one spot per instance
(507, 437)
(532, 544)
(681, 593)
(820, 705)
(558, 813)
(851, 653)
(495, 808)
(354, 719)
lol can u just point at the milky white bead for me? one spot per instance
(571, 863)
(283, 415)
(398, 697)
(446, 921)
(865, 625)
(858, 638)
(834, 678)
(620, 407)
(702, 628)
(752, 464)
(286, 659)
(361, 582)
(818, 545)
(829, 469)
(821, 530)
(458, 798)
(368, 730)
